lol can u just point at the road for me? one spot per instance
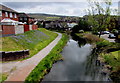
(105, 36)
(22, 69)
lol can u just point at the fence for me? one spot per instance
(34, 27)
(26, 28)
(14, 55)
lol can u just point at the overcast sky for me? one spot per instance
(76, 8)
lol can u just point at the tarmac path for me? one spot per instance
(22, 69)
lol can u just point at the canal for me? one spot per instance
(79, 64)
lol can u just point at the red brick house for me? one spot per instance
(6, 12)
(9, 22)
(12, 22)
(24, 18)
(29, 22)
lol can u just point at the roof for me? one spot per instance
(22, 15)
(2, 7)
(9, 21)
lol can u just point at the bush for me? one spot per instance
(91, 37)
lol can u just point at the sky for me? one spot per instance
(58, 7)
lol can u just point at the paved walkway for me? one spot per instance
(23, 68)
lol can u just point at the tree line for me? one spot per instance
(98, 18)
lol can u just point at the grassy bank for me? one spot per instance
(34, 40)
(3, 77)
(108, 51)
(46, 64)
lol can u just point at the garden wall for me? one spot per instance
(14, 55)
(19, 29)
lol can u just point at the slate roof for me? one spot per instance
(22, 15)
(5, 8)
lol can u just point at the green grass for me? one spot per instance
(34, 40)
(116, 54)
(113, 59)
(46, 64)
(3, 77)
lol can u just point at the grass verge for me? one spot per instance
(3, 77)
(45, 65)
(34, 40)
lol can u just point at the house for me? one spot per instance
(6, 12)
(9, 24)
(30, 23)
(12, 22)
(24, 18)
(31, 20)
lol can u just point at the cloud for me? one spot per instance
(64, 8)
(59, 8)
(50, 0)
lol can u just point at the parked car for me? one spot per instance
(105, 32)
(111, 35)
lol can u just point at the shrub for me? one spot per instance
(91, 37)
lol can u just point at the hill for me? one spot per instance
(43, 16)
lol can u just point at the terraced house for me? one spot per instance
(10, 23)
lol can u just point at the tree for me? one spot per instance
(75, 29)
(99, 16)
(84, 25)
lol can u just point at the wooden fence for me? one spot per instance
(14, 55)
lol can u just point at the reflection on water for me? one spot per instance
(78, 65)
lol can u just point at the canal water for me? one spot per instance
(79, 64)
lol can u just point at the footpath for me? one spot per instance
(23, 68)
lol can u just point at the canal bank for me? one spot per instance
(79, 63)
(108, 55)
(25, 67)
(46, 63)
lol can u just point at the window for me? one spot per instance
(15, 16)
(21, 19)
(0, 13)
(25, 19)
(11, 15)
(6, 14)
